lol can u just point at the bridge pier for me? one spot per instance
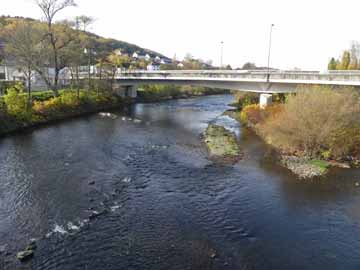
(131, 91)
(126, 91)
(265, 100)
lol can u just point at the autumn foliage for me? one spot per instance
(317, 122)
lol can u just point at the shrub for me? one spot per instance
(243, 99)
(42, 96)
(320, 122)
(253, 115)
(17, 103)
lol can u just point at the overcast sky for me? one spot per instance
(306, 32)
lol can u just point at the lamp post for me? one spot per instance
(88, 52)
(269, 54)
(221, 53)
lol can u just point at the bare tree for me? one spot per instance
(83, 22)
(24, 49)
(50, 9)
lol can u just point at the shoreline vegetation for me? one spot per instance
(155, 93)
(311, 131)
(19, 113)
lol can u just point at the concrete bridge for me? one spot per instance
(263, 82)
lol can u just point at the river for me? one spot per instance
(166, 205)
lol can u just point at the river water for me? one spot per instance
(166, 205)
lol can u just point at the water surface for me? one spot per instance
(168, 206)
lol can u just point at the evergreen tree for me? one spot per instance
(332, 64)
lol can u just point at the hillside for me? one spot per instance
(99, 43)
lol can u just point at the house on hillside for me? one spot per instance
(153, 66)
(165, 61)
(135, 55)
(13, 73)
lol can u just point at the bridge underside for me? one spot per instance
(248, 86)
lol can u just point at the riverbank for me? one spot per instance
(16, 115)
(311, 132)
(155, 93)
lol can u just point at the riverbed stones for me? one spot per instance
(25, 255)
(303, 168)
(28, 253)
(222, 144)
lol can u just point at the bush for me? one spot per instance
(159, 92)
(243, 99)
(42, 96)
(319, 122)
(253, 115)
(17, 104)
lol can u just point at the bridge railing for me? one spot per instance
(242, 74)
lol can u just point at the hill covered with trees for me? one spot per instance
(98, 43)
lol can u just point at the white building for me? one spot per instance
(153, 66)
(135, 55)
(13, 73)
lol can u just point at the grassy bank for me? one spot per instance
(320, 126)
(153, 93)
(17, 113)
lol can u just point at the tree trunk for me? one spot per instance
(29, 88)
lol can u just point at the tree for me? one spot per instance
(249, 66)
(56, 38)
(353, 58)
(353, 63)
(345, 61)
(23, 45)
(83, 22)
(116, 61)
(332, 64)
(355, 52)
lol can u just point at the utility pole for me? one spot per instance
(221, 54)
(269, 54)
(88, 51)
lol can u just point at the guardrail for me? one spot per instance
(241, 74)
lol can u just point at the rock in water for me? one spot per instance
(222, 144)
(32, 245)
(25, 255)
(3, 249)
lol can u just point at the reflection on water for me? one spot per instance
(138, 192)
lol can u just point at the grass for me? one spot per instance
(221, 142)
(321, 164)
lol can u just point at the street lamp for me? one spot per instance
(221, 53)
(268, 66)
(88, 51)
